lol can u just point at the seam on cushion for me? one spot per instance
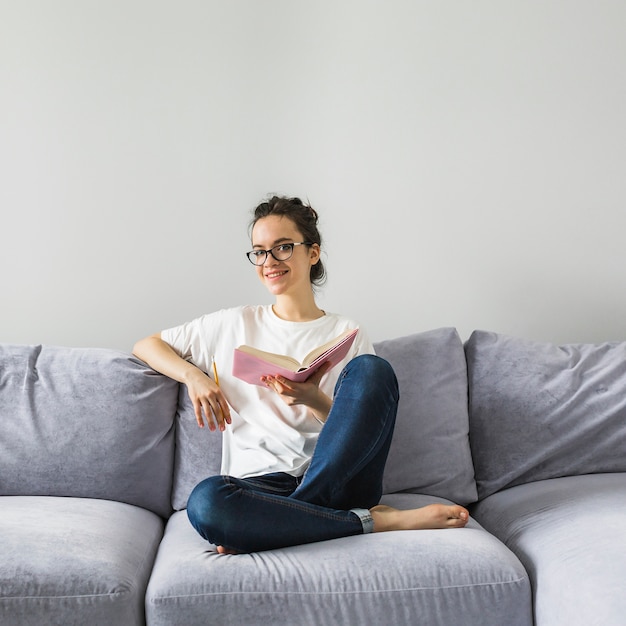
(162, 599)
(86, 595)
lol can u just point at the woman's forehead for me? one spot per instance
(273, 229)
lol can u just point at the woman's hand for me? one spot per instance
(209, 403)
(307, 393)
(208, 400)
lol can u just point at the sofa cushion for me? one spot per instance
(198, 452)
(406, 577)
(430, 451)
(539, 411)
(75, 560)
(85, 422)
(569, 534)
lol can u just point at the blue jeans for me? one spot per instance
(346, 471)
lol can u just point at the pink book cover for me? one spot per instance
(250, 364)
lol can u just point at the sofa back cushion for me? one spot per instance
(539, 411)
(430, 452)
(85, 422)
(198, 452)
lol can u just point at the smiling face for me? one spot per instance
(290, 277)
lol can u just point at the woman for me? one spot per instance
(301, 462)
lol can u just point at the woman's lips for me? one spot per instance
(275, 275)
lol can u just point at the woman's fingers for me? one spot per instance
(212, 408)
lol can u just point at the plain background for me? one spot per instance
(468, 160)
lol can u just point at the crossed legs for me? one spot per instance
(344, 479)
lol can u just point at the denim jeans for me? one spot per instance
(346, 470)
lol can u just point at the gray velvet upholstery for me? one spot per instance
(570, 535)
(430, 450)
(198, 452)
(86, 423)
(76, 561)
(407, 577)
(542, 411)
(547, 428)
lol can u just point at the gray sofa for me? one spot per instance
(98, 454)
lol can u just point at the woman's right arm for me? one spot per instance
(208, 400)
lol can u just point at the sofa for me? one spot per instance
(98, 454)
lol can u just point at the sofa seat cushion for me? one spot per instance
(570, 535)
(74, 560)
(420, 577)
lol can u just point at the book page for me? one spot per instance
(319, 352)
(282, 360)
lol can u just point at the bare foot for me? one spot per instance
(431, 516)
(223, 550)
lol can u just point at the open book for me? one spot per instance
(250, 364)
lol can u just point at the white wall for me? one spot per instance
(467, 158)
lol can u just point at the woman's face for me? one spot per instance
(289, 277)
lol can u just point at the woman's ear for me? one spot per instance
(314, 253)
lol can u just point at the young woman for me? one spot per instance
(301, 462)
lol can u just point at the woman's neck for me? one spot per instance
(297, 310)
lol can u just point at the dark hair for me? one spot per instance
(304, 217)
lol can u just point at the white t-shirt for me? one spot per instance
(266, 435)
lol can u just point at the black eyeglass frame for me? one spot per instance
(253, 255)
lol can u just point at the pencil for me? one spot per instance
(217, 378)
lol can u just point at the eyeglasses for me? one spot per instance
(281, 252)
